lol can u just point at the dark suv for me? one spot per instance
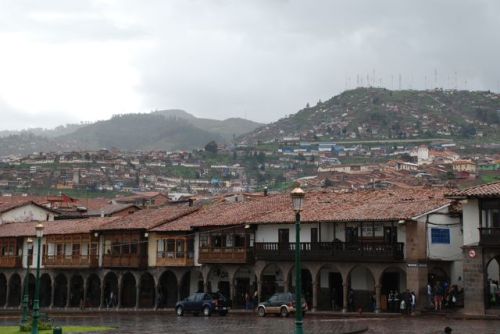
(207, 303)
(282, 303)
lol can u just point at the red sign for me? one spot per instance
(472, 253)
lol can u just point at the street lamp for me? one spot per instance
(298, 201)
(24, 318)
(36, 302)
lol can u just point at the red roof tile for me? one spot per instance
(490, 190)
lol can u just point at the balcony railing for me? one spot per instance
(67, 261)
(175, 259)
(225, 255)
(125, 261)
(334, 251)
(489, 236)
(10, 261)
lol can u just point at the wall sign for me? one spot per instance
(472, 253)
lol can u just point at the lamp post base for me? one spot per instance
(299, 329)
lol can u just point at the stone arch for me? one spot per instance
(76, 288)
(191, 282)
(272, 280)
(392, 278)
(218, 279)
(60, 290)
(330, 282)
(45, 290)
(437, 274)
(128, 290)
(31, 288)
(167, 289)
(492, 277)
(307, 283)
(93, 298)
(146, 290)
(14, 290)
(3, 290)
(361, 293)
(110, 284)
(244, 282)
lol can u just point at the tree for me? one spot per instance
(211, 147)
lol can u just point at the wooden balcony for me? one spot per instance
(70, 261)
(225, 255)
(174, 259)
(331, 251)
(125, 261)
(8, 261)
(489, 236)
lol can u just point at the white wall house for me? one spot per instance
(25, 212)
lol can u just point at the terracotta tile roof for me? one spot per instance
(148, 218)
(490, 190)
(69, 226)
(7, 206)
(111, 209)
(384, 205)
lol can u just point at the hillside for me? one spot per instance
(377, 113)
(163, 130)
(226, 128)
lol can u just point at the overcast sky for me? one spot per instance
(71, 61)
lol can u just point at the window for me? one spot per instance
(440, 236)
(75, 250)
(170, 248)
(60, 249)
(107, 247)
(490, 214)
(204, 240)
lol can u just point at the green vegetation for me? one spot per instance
(66, 329)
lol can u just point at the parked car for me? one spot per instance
(206, 303)
(282, 303)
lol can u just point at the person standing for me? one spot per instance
(429, 296)
(413, 301)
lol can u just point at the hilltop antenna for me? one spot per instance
(400, 80)
(425, 81)
(392, 81)
(435, 77)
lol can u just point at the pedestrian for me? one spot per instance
(402, 306)
(255, 298)
(397, 301)
(248, 301)
(391, 301)
(438, 297)
(429, 296)
(447, 330)
(413, 301)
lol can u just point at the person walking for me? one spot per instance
(438, 297)
(430, 298)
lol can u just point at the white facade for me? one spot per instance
(26, 213)
(471, 221)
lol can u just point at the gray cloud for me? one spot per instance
(265, 59)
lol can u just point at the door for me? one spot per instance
(351, 234)
(336, 290)
(314, 235)
(283, 238)
(390, 234)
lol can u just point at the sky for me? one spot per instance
(72, 61)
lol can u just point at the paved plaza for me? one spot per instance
(248, 324)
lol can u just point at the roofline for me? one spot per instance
(431, 211)
(28, 202)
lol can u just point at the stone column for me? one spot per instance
(157, 295)
(52, 292)
(119, 305)
(7, 294)
(416, 281)
(474, 281)
(378, 289)
(137, 295)
(315, 287)
(102, 297)
(68, 293)
(286, 282)
(345, 297)
(232, 290)
(84, 293)
(259, 289)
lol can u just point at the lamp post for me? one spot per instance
(24, 318)
(298, 201)
(36, 302)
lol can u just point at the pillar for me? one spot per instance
(315, 287)
(52, 291)
(474, 281)
(7, 293)
(259, 289)
(345, 297)
(378, 289)
(137, 294)
(102, 298)
(84, 293)
(157, 294)
(416, 281)
(119, 304)
(68, 293)
(286, 283)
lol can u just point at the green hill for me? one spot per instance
(377, 113)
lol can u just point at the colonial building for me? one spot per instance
(481, 249)
(369, 242)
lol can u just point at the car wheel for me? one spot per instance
(284, 312)
(179, 311)
(206, 311)
(261, 312)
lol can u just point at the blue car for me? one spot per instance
(201, 302)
